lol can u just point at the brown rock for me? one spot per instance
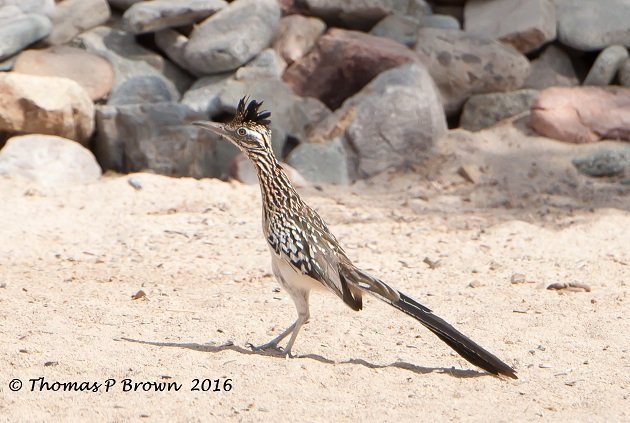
(342, 63)
(45, 105)
(92, 72)
(582, 114)
(296, 36)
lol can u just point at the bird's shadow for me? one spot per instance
(229, 346)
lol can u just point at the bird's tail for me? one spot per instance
(464, 346)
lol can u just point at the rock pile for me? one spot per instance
(354, 87)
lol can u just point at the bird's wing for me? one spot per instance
(309, 246)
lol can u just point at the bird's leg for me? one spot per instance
(300, 299)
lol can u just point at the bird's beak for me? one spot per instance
(217, 128)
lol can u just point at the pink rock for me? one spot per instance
(92, 72)
(582, 114)
(342, 63)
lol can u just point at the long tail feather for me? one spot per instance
(466, 347)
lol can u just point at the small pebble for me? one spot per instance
(474, 284)
(138, 295)
(517, 278)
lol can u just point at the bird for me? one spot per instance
(306, 256)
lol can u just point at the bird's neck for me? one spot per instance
(275, 187)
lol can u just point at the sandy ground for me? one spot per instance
(71, 259)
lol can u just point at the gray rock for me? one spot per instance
(157, 137)
(609, 162)
(173, 44)
(17, 33)
(464, 64)
(624, 73)
(268, 64)
(592, 25)
(296, 36)
(9, 12)
(484, 110)
(45, 105)
(400, 28)
(553, 68)
(72, 17)
(42, 7)
(123, 4)
(142, 89)
(606, 65)
(130, 60)
(150, 16)
(48, 160)
(439, 21)
(363, 14)
(391, 123)
(321, 163)
(232, 36)
(525, 24)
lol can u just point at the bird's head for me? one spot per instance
(248, 130)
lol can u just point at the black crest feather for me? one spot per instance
(249, 111)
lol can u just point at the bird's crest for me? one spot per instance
(248, 112)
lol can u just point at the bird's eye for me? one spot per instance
(241, 131)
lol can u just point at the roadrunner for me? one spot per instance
(306, 255)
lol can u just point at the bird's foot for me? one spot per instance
(270, 346)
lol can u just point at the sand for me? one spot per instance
(72, 258)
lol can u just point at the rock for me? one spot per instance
(608, 162)
(362, 14)
(48, 160)
(606, 65)
(123, 4)
(154, 136)
(19, 32)
(72, 17)
(590, 26)
(624, 73)
(321, 162)
(173, 44)
(553, 68)
(10, 12)
(484, 110)
(151, 16)
(582, 114)
(45, 105)
(268, 64)
(142, 89)
(439, 21)
(525, 24)
(400, 28)
(42, 7)
(391, 123)
(342, 63)
(232, 36)
(296, 36)
(464, 64)
(92, 72)
(130, 60)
